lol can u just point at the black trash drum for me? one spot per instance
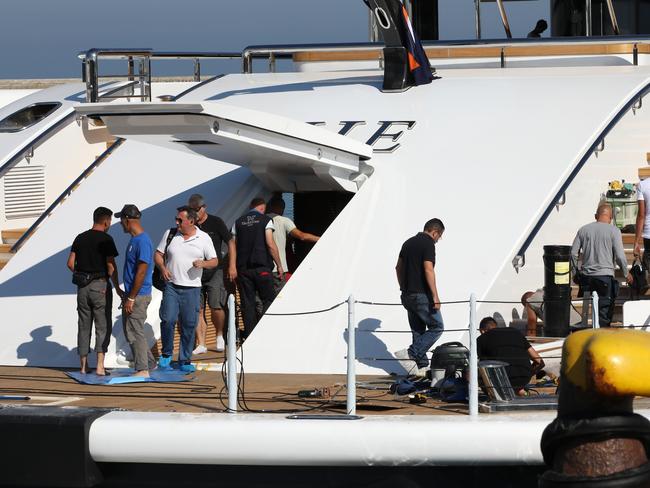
(557, 290)
(451, 356)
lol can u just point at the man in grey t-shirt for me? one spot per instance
(600, 244)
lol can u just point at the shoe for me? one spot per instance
(423, 372)
(201, 349)
(188, 368)
(165, 362)
(405, 361)
(221, 344)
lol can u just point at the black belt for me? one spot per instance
(94, 276)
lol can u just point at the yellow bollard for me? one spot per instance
(597, 439)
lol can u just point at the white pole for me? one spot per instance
(231, 355)
(352, 354)
(594, 310)
(473, 359)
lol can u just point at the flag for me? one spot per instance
(418, 62)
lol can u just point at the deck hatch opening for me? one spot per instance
(27, 116)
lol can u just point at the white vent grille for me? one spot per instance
(24, 189)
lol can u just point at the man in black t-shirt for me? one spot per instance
(509, 345)
(213, 288)
(417, 282)
(92, 256)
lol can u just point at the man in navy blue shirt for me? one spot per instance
(138, 269)
(255, 253)
(417, 281)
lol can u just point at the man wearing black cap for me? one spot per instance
(255, 254)
(138, 268)
(92, 262)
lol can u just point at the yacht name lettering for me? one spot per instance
(388, 129)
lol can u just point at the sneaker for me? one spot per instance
(165, 362)
(423, 372)
(221, 344)
(406, 362)
(188, 368)
(201, 349)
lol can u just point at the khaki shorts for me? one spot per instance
(214, 291)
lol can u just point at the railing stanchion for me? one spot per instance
(351, 376)
(473, 358)
(231, 356)
(595, 323)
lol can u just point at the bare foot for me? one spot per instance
(100, 372)
(143, 374)
(83, 371)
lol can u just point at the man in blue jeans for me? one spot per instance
(181, 260)
(417, 281)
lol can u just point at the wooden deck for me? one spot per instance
(266, 393)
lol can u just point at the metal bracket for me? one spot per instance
(518, 262)
(600, 147)
(29, 154)
(561, 201)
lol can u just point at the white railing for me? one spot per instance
(473, 386)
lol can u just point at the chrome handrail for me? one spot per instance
(273, 52)
(65, 194)
(286, 51)
(90, 66)
(31, 144)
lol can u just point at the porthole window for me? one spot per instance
(27, 116)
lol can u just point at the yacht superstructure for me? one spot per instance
(510, 145)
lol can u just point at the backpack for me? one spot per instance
(639, 281)
(157, 280)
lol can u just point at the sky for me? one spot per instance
(41, 38)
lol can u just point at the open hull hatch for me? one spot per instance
(286, 155)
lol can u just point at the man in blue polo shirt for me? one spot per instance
(138, 268)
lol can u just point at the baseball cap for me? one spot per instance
(129, 211)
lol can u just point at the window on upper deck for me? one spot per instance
(27, 116)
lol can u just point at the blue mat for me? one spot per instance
(125, 375)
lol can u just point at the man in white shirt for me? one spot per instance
(284, 227)
(643, 221)
(189, 251)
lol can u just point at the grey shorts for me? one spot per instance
(215, 291)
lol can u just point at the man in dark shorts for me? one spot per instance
(417, 281)
(138, 270)
(213, 289)
(92, 260)
(509, 345)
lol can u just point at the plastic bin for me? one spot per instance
(624, 208)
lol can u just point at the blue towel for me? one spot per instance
(125, 375)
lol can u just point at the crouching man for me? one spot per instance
(509, 345)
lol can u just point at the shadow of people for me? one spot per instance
(371, 350)
(122, 347)
(39, 350)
